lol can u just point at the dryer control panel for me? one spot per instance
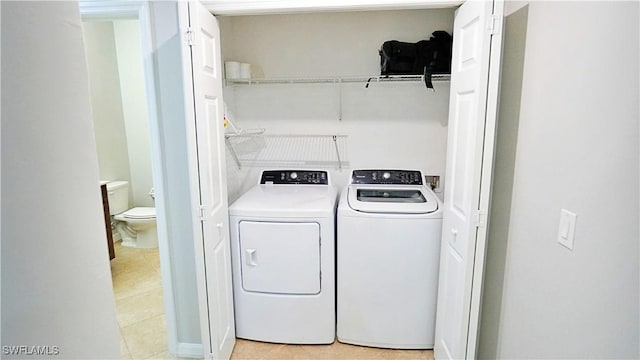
(294, 177)
(396, 177)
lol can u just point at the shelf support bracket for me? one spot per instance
(339, 100)
(233, 152)
(335, 143)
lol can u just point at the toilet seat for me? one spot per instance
(140, 213)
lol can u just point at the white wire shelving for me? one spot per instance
(265, 150)
(337, 80)
(253, 148)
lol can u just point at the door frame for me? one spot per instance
(249, 7)
(104, 10)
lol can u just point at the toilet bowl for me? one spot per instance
(137, 227)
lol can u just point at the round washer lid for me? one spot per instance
(140, 213)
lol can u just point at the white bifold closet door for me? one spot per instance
(215, 289)
(470, 144)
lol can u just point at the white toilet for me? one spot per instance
(136, 226)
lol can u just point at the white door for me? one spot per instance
(470, 143)
(219, 331)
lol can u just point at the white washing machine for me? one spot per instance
(283, 255)
(388, 251)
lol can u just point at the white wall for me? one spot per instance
(106, 101)
(56, 282)
(577, 148)
(120, 105)
(388, 125)
(326, 44)
(134, 108)
(0, 207)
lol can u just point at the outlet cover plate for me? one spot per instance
(433, 181)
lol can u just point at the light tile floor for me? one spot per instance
(245, 349)
(137, 288)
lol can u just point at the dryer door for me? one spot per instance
(280, 257)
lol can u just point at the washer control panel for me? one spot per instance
(397, 177)
(294, 177)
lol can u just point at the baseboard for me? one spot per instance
(190, 350)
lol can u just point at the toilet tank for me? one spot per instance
(118, 194)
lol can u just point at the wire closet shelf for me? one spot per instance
(338, 80)
(265, 150)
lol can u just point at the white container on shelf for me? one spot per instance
(232, 70)
(245, 71)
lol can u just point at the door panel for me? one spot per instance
(209, 112)
(462, 127)
(453, 292)
(224, 302)
(468, 144)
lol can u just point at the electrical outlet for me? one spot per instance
(433, 181)
(567, 228)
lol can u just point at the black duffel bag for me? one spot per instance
(426, 57)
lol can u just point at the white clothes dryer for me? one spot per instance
(283, 257)
(388, 251)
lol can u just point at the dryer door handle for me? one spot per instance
(250, 257)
